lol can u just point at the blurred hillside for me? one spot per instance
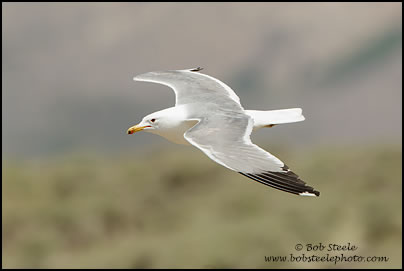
(180, 209)
(67, 68)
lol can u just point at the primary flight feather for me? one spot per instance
(208, 115)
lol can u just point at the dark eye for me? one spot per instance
(153, 120)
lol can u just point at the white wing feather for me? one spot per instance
(190, 86)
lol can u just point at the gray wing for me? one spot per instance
(226, 139)
(190, 86)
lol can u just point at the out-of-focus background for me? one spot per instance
(79, 192)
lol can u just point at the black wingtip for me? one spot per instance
(285, 181)
(196, 69)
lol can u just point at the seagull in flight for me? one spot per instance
(208, 115)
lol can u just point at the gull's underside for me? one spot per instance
(222, 130)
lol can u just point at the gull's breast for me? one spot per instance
(176, 134)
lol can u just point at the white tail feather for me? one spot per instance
(272, 117)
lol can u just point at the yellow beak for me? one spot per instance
(135, 129)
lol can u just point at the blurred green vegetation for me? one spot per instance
(179, 209)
